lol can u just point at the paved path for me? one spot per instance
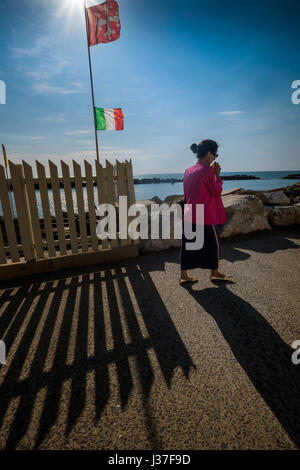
(122, 357)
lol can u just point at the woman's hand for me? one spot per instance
(217, 169)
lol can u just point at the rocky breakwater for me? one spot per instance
(156, 180)
(293, 176)
(247, 211)
(282, 205)
(245, 214)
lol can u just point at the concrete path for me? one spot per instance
(122, 357)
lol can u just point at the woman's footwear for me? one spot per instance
(218, 278)
(191, 279)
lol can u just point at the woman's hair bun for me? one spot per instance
(194, 148)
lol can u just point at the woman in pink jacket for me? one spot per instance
(202, 185)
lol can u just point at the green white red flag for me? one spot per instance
(109, 119)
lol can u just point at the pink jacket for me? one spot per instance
(202, 186)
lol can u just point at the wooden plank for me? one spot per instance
(110, 194)
(70, 206)
(130, 183)
(8, 217)
(121, 182)
(2, 251)
(122, 191)
(41, 266)
(46, 208)
(109, 179)
(80, 207)
(56, 244)
(91, 204)
(99, 179)
(130, 190)
(36, 228)
(101, 194)
(22, 212)
(60, 179)
(58, 208)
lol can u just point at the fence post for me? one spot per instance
(26, 203)
(23, 212)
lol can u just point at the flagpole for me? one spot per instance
(91, 79)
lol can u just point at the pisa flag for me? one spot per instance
(103, 22)
(109, 119)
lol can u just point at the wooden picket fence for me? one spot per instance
(37, 236)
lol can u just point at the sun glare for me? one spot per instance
(70, 8)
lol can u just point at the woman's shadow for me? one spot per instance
(262, 353)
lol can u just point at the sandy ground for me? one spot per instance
(121, 357)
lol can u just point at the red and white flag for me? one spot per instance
(103, 22)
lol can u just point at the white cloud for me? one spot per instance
(33, 137)
(79, 132)
(47, 88)
(105, 153)
(42, 63)
(81, 142)
(152, 111)
(20, 136)
(230, 113)
(54, 118)
(33, 51)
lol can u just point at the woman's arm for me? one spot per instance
(213, 183)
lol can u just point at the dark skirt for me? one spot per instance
(208, 256)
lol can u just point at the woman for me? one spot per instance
(202, 185)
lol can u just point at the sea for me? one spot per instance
(268, 180)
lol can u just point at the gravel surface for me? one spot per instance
(122, 357)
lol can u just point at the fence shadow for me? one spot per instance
(43, 321)
(264, 356)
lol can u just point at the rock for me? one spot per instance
(173, 199)
(276, 198)
(260, 194)
(153, 244)
(295, 176)
(284, 215)
(156, 180)
(158, 245)
(296, 199)
(245, 214)
(227, 192)
(245, 211)
(239, 177)
(146, 202)
(293, 192)
(156, 200)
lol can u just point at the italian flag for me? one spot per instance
(109, 119)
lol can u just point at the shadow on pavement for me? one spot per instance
(261, 242)
(42, 322)
(45, 317)
(264, 356)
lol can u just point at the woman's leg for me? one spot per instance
(184, 261)
(184, 275)
(216, 272)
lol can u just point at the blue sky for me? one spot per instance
(181, 71)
